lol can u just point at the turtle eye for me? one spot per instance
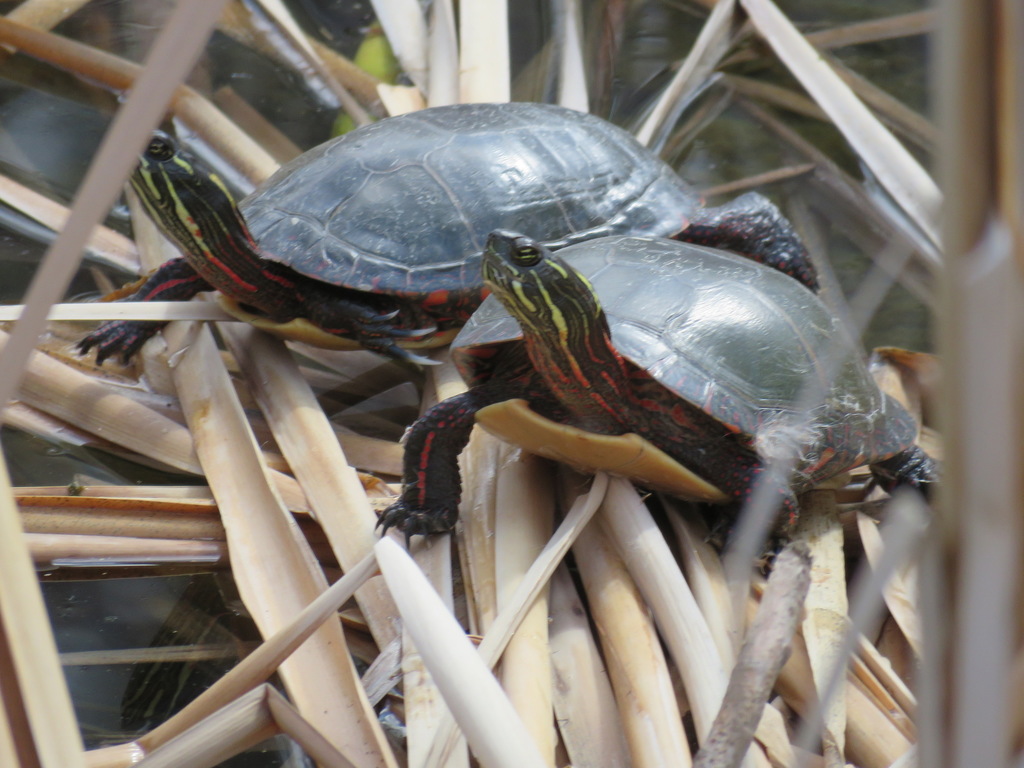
(527, 256)
(160, 148)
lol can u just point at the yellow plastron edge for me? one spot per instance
(628, 455)
(300, 329)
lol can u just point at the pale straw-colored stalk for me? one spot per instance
(443, 81)
(585, 705)
(872, 739)
(491, 725)
(478, 464)
(901, 596)
(126, 310)
(706, 577)
(425, 709)
(105, 245)
(289, 27)
(245, 722)
(874, 670)
(663, 586)
(973, 589)
(111, 551)
(485, 73)
(879, 692)
(195, 112)
(273, 568)
(713, 41)
(896, 169)
(44, 14)
(306, 438)
(533, 582)
(636, 663)
(702, 566)
(572, 76)
(406, 30)
(825, 621)
(522, 526)
(44, 696)
(904, 532)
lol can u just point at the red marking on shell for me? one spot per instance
(436, 298)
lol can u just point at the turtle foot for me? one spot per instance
(119, 338)
(417, 521)
(912, 468)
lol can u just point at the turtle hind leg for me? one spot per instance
(912, 468)
(752, 226)
(376, 322)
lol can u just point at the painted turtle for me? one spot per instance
(374, 238)
(687, 380)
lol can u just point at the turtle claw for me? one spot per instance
(416, 521)
(119, 338)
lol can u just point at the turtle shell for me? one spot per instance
(404, 206)
(739, 340)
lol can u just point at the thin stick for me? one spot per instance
(765, 651)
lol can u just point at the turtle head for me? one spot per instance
(183, 196)
(538, 287)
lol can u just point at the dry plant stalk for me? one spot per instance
(764, 652)
(895, 168)
(425, 709)
(406, 31)
(306, 438)
(272, 565)
(901, 591)
(535, 580)
(523, 525)
(825, 623)
(105, 245)
(636, 664)
(491, 726)
(657, 574)
(47, 548)
(485, 73)
(585, 706)
(443, 78)
(35, 695)
(119, 75)
(872, 739)
(245, 722)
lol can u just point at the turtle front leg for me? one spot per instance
(752, 226)
(431, 482)
(174, 280)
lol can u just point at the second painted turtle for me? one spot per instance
(374, 238)
(673, 364)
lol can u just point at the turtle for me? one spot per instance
(677, 365)
(374, 238)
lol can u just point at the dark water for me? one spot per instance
(51, 123)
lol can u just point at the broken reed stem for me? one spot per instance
(265, 659)
(766, 649)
